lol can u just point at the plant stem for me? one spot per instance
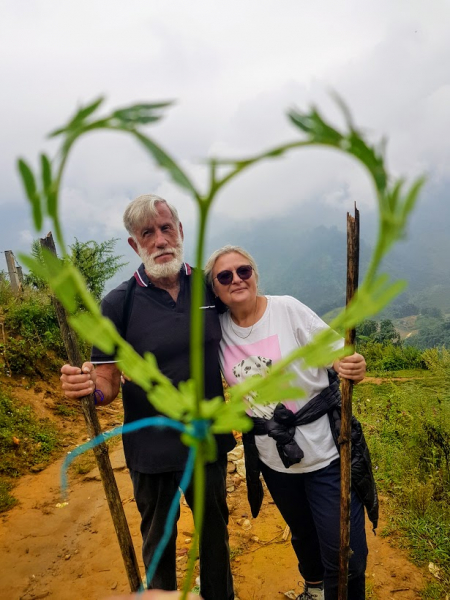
(197, 320)
(199, 507)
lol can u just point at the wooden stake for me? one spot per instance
(346, 415)
(16, 284)
(101, 451)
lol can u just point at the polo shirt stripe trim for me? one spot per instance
(139, 279)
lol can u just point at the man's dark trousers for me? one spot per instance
(154, 494)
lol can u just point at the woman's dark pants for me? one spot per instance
(309, 503)
(154, 494)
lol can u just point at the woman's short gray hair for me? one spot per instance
(228, 249)
(144, 207)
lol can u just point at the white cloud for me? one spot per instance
(234, 68)
(26, 236)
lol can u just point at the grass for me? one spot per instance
(86, 461)
(63, 410)
(235, 552)
(7, 501)
(25, 442)
(407, 426)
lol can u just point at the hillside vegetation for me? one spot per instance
(404, 407)
(406, 419)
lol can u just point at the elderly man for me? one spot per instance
(152, 312)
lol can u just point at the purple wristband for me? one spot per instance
(101, 396)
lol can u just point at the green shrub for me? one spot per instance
(32, 334)
(25, 442)
(437, 360)
(33, 317)
(389, 357)
(407, 426)
(36, 439)
(6, 293)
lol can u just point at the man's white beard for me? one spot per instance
(161, 270)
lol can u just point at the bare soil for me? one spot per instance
(71, 552)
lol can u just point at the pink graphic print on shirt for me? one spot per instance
(246, 360)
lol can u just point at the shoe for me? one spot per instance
(312, 593)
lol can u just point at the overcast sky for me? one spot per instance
(233, 68)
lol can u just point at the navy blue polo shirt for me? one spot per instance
(159, 325)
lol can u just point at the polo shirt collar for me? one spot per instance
(142, 279)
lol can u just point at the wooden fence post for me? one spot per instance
(101, 451)
(346, 415)
(16, 284)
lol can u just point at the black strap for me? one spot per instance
(128, 305)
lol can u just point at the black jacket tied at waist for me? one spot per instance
(282, 426)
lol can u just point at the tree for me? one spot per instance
(96, 261)
(366, 331)
(387, 334)
(432, 311)
(382, 333)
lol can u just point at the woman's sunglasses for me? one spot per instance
(226, 277)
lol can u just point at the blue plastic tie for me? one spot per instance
(99, 439)
(198, 429)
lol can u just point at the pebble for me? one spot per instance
(246, 525)
(237, 479)
(236, 454)
(240, 467)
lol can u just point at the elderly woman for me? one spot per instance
(300, 463)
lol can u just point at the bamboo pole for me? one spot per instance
(101, 451)
(346, 415)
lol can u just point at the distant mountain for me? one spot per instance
(309, 262)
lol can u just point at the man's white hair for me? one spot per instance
(144, 207)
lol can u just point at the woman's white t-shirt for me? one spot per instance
(285, 325)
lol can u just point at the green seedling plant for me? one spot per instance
(186, 404)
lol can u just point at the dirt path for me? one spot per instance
(71, 553)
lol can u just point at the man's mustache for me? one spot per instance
(156, 254)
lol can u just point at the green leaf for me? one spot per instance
(34, 265)
(413, 195)
(139, 114)
(138, 369)
(352, 142)
(99, 331)
(46, 170)
(166, 162)
(87, 111)
(208, 408)
(177, 404)
(29, 184)
(77, 120)
(231, 416)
